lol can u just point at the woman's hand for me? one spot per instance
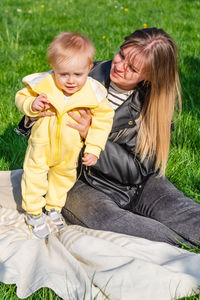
(83, 121)
(47, 113)
(44, 113)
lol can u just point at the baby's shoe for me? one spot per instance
(37, 225)
(56, 217)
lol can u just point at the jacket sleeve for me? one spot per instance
(100, 128)
(24, 99)
(118, 164)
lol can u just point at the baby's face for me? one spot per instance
(71, 75)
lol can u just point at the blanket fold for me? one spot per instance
(78, 262)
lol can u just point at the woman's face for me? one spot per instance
(124, 75)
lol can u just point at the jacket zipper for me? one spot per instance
(57, 144)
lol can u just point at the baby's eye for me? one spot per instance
(78, 74)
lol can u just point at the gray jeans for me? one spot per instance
(162, 213)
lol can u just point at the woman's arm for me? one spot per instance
(82, 125)
(117, 161)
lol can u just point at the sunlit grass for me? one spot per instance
(27, 28)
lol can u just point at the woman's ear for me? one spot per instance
(91, 66)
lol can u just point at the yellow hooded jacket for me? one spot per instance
(54, 145)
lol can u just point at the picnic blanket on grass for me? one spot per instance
(79, 262)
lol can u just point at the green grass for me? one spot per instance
(27, 27)
(8, 292)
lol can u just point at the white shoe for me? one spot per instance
(37, 225)
(56, 217)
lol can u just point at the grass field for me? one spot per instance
(27, 28)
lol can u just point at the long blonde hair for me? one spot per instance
(159, 55)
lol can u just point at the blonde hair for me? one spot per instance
(67, 44)
(159, 54)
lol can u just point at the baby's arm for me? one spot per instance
(89, 159)
(102, 118)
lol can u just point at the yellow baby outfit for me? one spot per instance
(53, 148)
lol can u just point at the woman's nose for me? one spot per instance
(119, 65)
(119, 62)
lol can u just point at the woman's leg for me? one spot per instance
(91, 208)
(162, 201)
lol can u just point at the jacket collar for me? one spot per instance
(101, 72)
(45, 83)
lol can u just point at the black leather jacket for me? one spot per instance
(118, 172)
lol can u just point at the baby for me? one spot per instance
(53, 149)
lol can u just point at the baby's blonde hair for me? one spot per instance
(67, 44)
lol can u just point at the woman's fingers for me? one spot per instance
(83, 121)
(46, 114)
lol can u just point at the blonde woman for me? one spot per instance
(126, 191)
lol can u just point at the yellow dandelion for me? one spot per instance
(103, 37)
(42, 5)
(126, 9)
(145, 25)
(6, 11)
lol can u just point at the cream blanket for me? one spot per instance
(78, 261)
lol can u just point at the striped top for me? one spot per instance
(117, 96)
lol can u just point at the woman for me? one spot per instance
(126, 191)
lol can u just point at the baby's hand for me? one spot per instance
(40, 103)
(89, 159)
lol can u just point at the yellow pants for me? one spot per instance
(44, 185)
